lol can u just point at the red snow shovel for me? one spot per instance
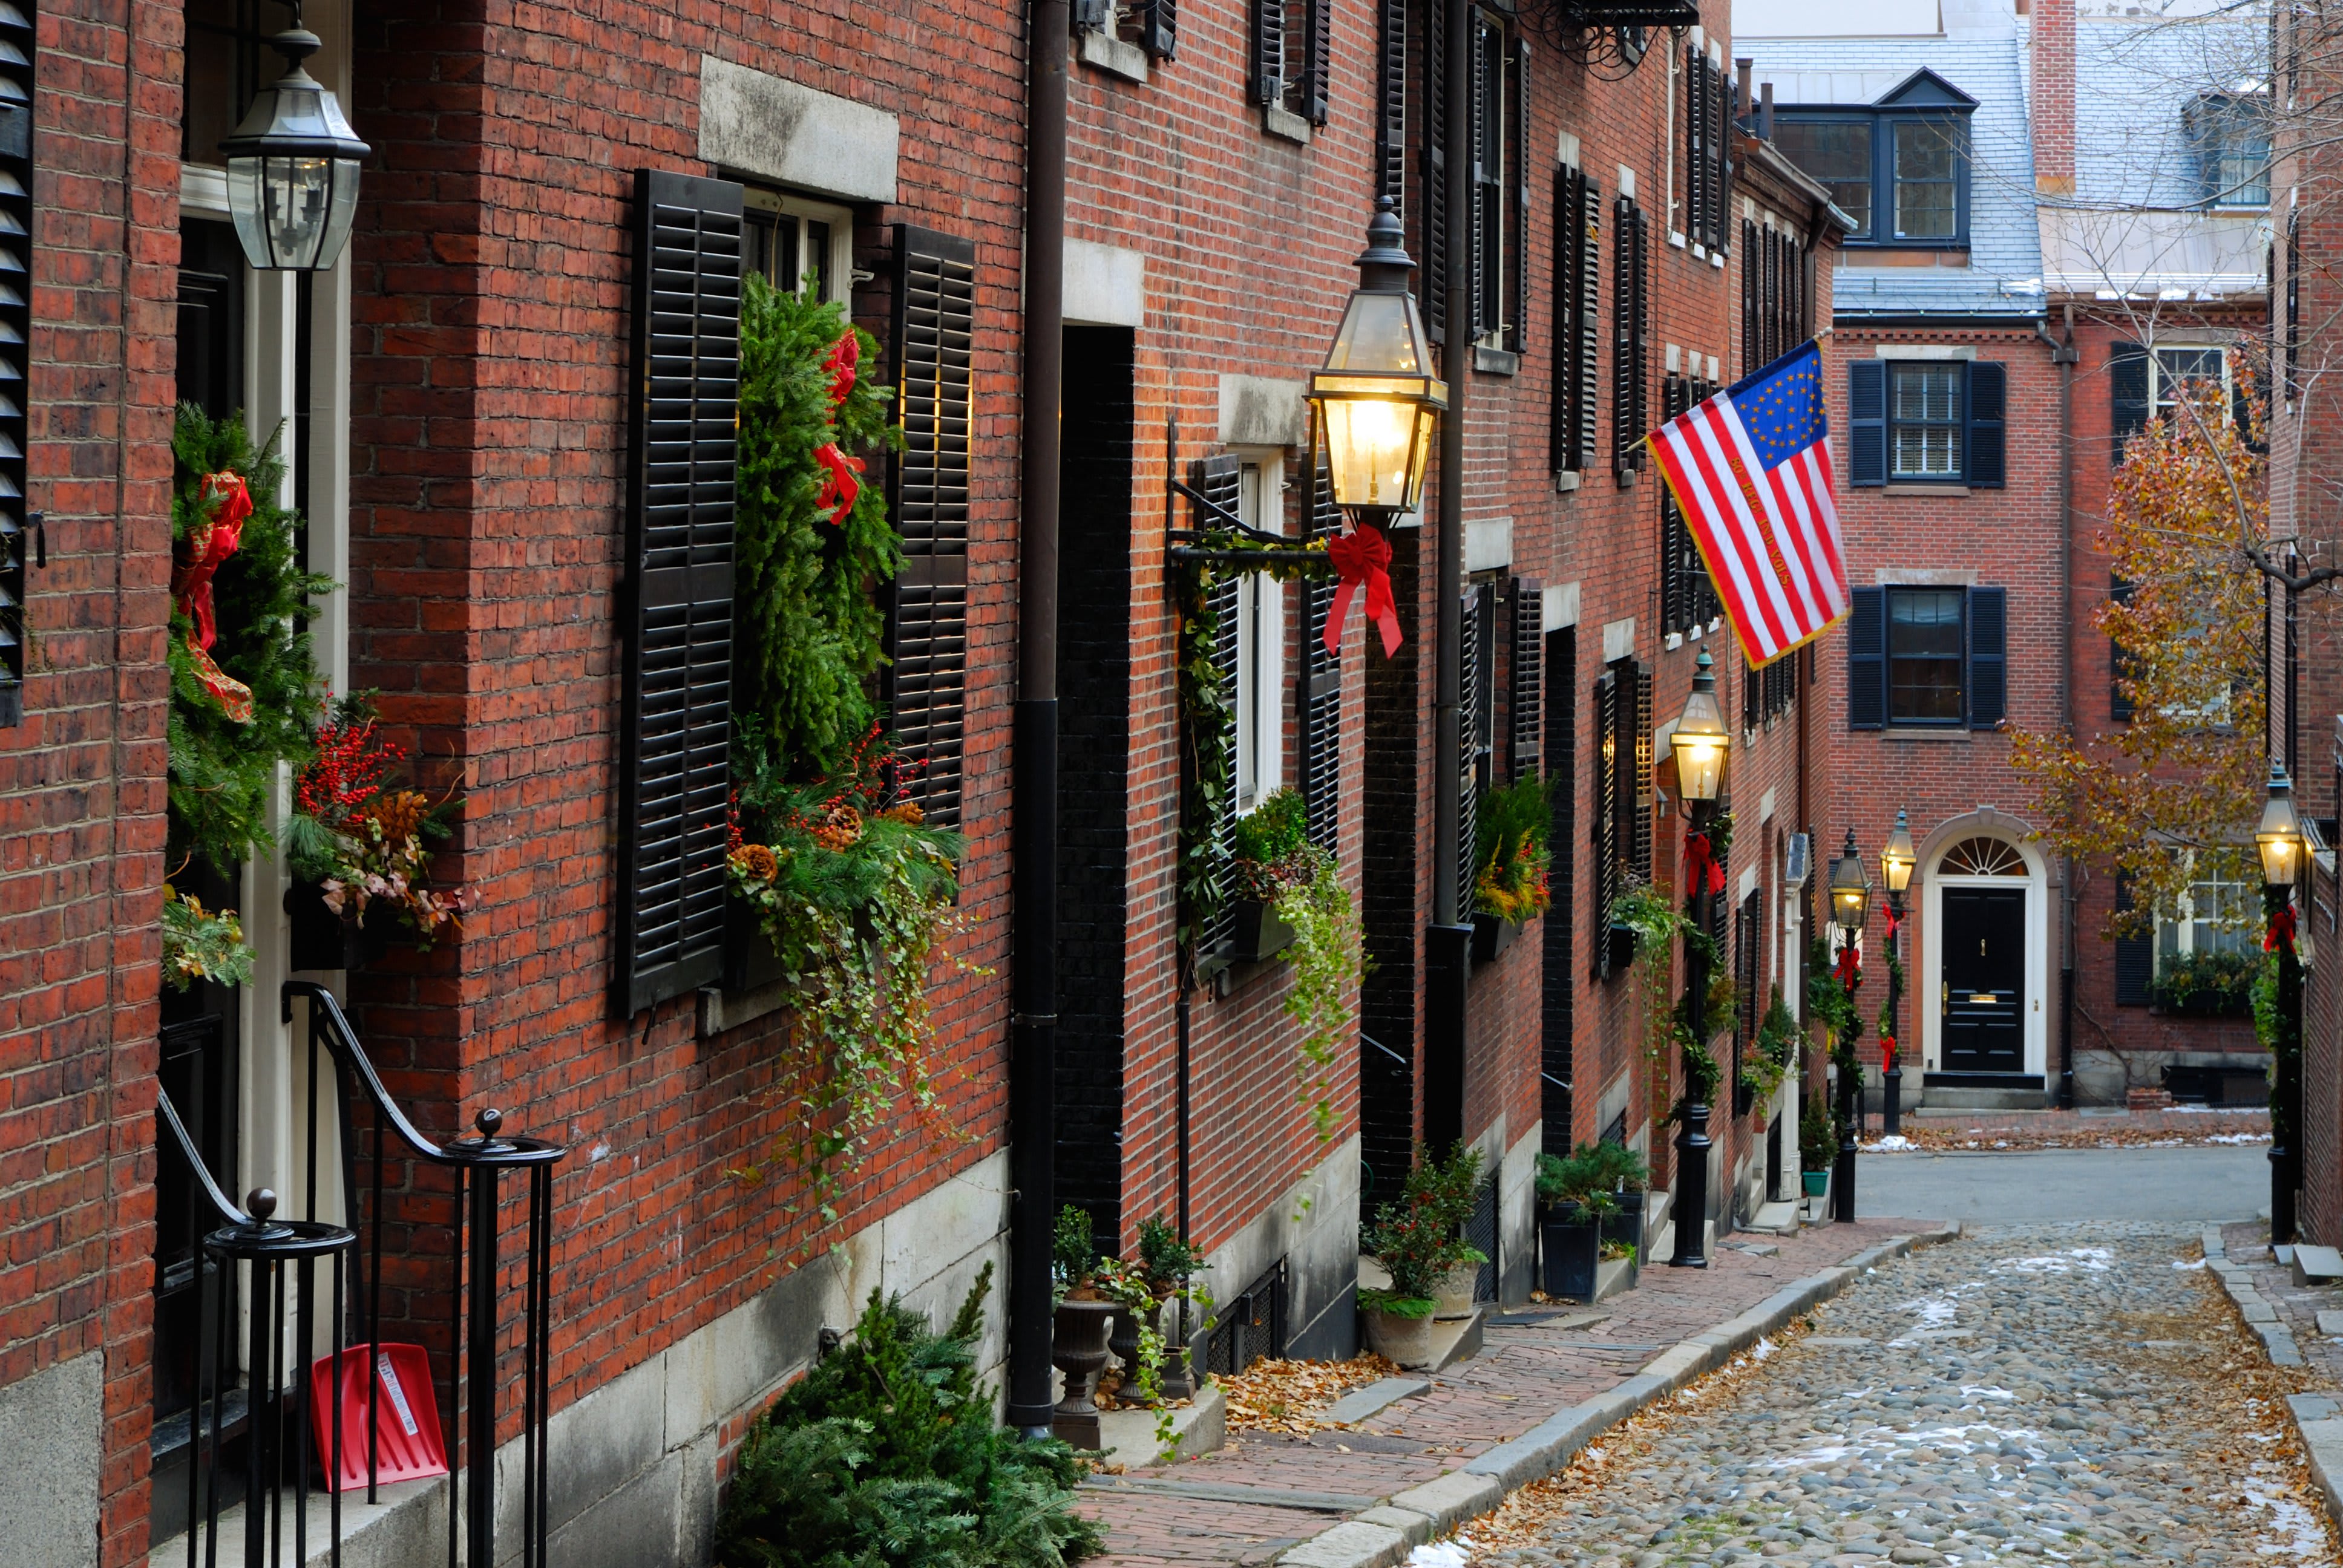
(406, 1419)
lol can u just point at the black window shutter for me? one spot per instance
(1629, 369)
(674, 768)
(17, 526)
(1866, 661)
(1432, 276)
(1695, 129)
(1321, 52)
(1866, 422)
(1217, 478)
(1988, 657)
(2119, 703)
(1471, 672)
(1319, 689)
(1484, 70)
(1752, 287)
(1268, 71)
(1577, 318)
(1158, 27)
(1517, 239)
(927, 684)
(1988, 381)
(1525, 699)
(1603, 836)
(2135, 955)
(1590, 318)
(1390, 105)
(1720, 109)
(2127, 395)
(1639, 800)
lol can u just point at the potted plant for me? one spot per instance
(1510, 888)
(359, 848)
(1817, 1145)
(1625, 1176)
(1450, 1188)
(1270, 851)
(1570, 1227)
(1084, 1313)
(1417, 1241)
(2207, 984)
(1170, 1264)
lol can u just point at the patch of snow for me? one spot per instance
(1893, 1143)
(2187, 1267)
(2300, 1534)
(1765, 1348)
(2238, 1138)
(1454, 1554)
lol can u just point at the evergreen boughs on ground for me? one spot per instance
(811, 631)
(222, 771)
(886, 1455)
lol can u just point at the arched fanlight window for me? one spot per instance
(1982, 858)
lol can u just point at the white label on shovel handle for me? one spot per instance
(397, 1395)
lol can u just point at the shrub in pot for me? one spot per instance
(1576, 1201)
(1417, 1242)
(1817, 1144)
(1084, 1315)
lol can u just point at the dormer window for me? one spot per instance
(1899, 167)
(2231, 133)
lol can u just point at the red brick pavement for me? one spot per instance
(1525, 1373)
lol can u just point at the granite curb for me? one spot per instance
(2318, 1418)
(2277, 1340)
(1383, 1534)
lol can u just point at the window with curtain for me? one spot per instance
(1260, 644)
(1925, 648)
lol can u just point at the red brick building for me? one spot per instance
(457, 398)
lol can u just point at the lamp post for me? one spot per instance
(1700, 743)
(1850, 903)
(2279, 840)
(1895, 861)
(293, 168)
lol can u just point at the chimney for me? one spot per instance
(2053, 109)
(1742, 107)
(1766, 113)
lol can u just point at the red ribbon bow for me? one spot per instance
(225, 503)
(840, 486)
(1701, 873)
(2281, 930)
(1887, 1052)
(1362, 558)
(1895, 922)
(1848, 970)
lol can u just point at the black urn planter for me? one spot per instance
(322, 940)
(750, 961)
(1491, 935)
(1570, 1245)
(1625, 1224)
(1622, 948)
(1260, 935)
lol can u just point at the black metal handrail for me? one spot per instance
(476, 1163)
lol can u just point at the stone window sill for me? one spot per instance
(1281, 122)
(1926, 732)
(1115, 56)
(1922, 487)
(720, 1009)
(1496, 361)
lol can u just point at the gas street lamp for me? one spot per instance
(2279, 839)
(1377, 400)
(293, 168)
(1896, 862)
(1850, 889)
(1700, 743)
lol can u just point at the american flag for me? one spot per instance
(1751, 470)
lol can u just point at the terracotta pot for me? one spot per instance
(1454, 1291)
(1407, 1340)
(1078, 1349)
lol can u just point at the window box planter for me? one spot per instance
(1570, 1245)
(750, 961)
(1621, 951)
(1260, 935)
(1491, 935)
(2205, 1001)
(322, 940)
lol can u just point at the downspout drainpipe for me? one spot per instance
(1447, 956)
(1033, 934)
(2065, 356)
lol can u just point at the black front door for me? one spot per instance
(1981, 982)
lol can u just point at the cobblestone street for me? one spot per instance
(2072, 1394)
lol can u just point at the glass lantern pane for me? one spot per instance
(1370, 444)
(1378, 335)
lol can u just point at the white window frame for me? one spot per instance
(2162, 399)
(1261, 640)
(789, 209)
(2179, 936)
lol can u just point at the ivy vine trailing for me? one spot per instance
(1328, 958)
(853, 889)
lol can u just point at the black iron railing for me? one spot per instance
(280, 1437)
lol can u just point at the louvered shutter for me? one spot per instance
(1628, 372)
(1321, 694)
(1577, 218)
(1217, 478)
(1639, 752)
(16, 52)
(1988, 694)
(1485, 106)
(2126, 394)
(935, 330)
(1390, 105)
(2135, 955)
(1696, 128)
(2119, 703)
(1322, 53)
(1988, 381)
(1866, 661)
(674, 772)
(1866, 422)
(1590, 318)
(1432, 276)
(1517, 237)
(2293, 378)
(1268, 58)
(1525, 699)
(1468, 696)
(1720, 137)
(1603, 837)
(1752, 342)
(1158, 27)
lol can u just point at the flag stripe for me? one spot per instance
(1684, 464)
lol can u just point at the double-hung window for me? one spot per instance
(1260, 644)
(1837, 153)
(805, 247)
(2144, 382)
(1928, 656)
(1927, 179)
(1927, 421)
(1292, 41)
(1899, 167)
(2231, 134)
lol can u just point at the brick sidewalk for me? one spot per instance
(1527, 1371)
(2297, 1308)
